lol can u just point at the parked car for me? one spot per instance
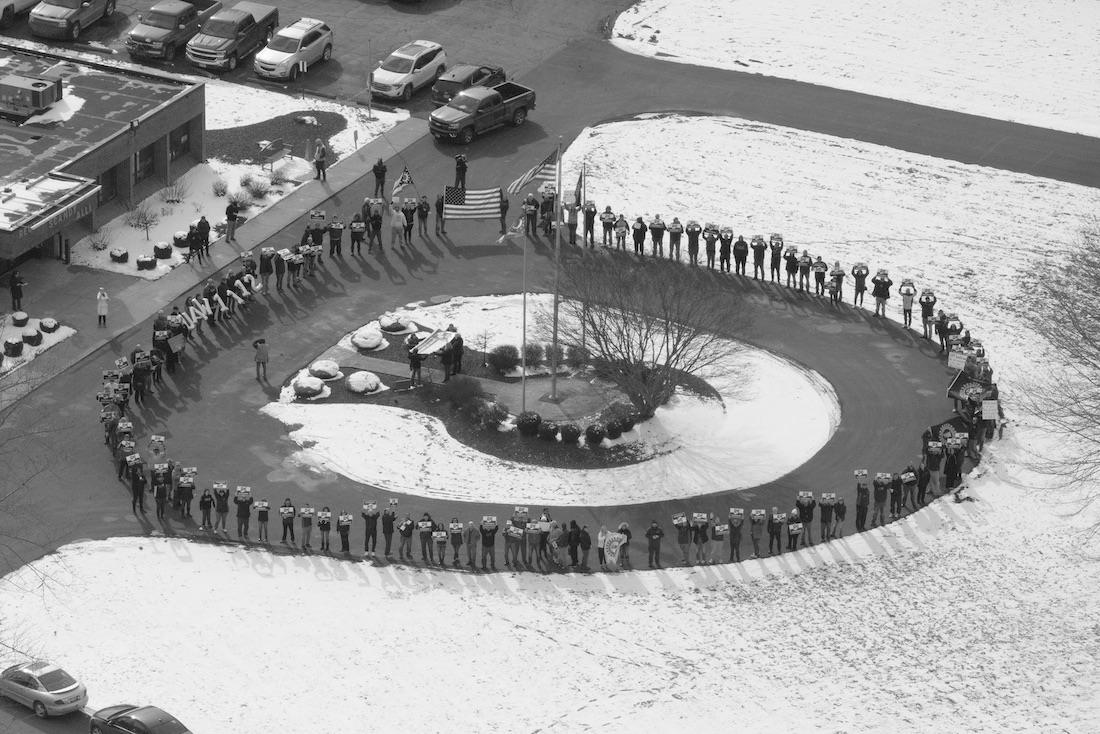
(168, 26)
(127, 719)
(293, 49)
(464, 76)
(409, 68)
(480, 109)
(43, 687)
(9, 8)
(232, 34)
(68, 18)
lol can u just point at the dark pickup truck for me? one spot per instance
(480, 109)
(168, 26)
(232, 34)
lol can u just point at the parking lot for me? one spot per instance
(517, 35)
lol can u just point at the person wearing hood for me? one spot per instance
(206, 504)
(573, 541)
(741, 256)
(379, 171)
(622, 228)
(607, 221)
(657, 234)
(653, 535)
(624, 549)
(775, 530)
(794, 529)
(675, 232)
(601, 540)
(639, 230)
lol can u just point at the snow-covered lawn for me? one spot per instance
(236, 105)
(9, 331)
(969, 617)
(777, 423)
(1020, 60)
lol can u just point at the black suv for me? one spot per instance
(464, 76)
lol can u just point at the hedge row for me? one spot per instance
(531, 423)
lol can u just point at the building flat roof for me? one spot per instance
(96, 104)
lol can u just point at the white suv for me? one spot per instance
(409, 68)
(294, 49)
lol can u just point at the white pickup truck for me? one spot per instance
(8, 9)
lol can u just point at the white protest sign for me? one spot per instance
(456, 527)
(489, 521)
(393, 502)
(861, 473)
(828, 497)
(440, 536)
(989, 410)
(679, 519)
(956, 360)
(370, 507)
(306, 512)
(805, 495)
(698, 518)
(345, 519)
(758, 514)
(521, 512)
(133, 459)
(720, 529)
(738, 512)
(286, 511)
(190, 470)
(317, 215)
(425, 526)
(324, 516)
(220, 485)
(795, 527)
(908, 477)
(781, 517)
(243, 493)
(262, 505)
(160, 467)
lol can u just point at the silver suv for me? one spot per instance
(294, 49)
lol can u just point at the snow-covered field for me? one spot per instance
(969, 617)
(777, 424)
(1020, 60)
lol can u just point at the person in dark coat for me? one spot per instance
(423, 211)
(389, 516)
(324, 527)
(356, 230)
(826, 509)
(194, 245)
(923, 478)
(456, 540)
(700, 537)
(795, 527)
(736, 523)
(370, 537)
(138, 484)
(653, 535)
(574, 541)
(839, 512)
(585, 545)
(776, 249)
(759, 250)
(206, 504)
(725, 244)
(775, 530)
(279, 264)
(881, 292)
(440, 227)
(459, 348)
(460, 171)
(379, 171)
(880, 491)
(896, 489)
(806, 512)
(909, 488)
(952, 470)
(488, 547)
(741, 256)
(657, 234)
(503, 213)
(684, 533)
(426, 526)
(244, 515)
(343, 528)
(791, 259)
(694, 231)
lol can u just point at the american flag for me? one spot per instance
(545, 171)
(463, 204)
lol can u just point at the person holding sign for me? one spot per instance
(261, 519)
(701, 538)
(405, 534)
(601, 554)
(287, 513)
(244, 504)
(896, 489)
(909, 487)
(456, 540)
(138, 484)
(206, 504)
(370, 523)
(440, 536)
(488, 545)
(839, 511)
(324, 526)
(775, 530)
(555, 541)
(863, 501)
(343, 527)
(756, 531)
(794, 529)
(653, 535)
(717, 538)
(426, 526)
(306, 516)
(684, 534)
(185, 493)
(160, 495)
(389, 519)
(736, 521)
(221, 505)
(881, 490)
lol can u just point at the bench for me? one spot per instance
(273, 152)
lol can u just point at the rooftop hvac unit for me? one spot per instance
(23, 96)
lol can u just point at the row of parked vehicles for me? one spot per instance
(49, 691)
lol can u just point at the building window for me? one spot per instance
(179, 141)
(143, 164)
(108, 185)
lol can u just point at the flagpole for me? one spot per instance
(523, 351)
(557, 271)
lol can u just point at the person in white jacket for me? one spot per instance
(101, 300)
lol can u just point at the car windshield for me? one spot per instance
(56, 680)
(283, 43)
(448, 87)
(464, 103)
(398, 65)
(73, 4)
(159, 20)
(220, 28)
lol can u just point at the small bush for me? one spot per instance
(175, 192)
(490, 414)
(504, 358)
(595, 434)
(278, 178)
(142, 216)
(627, 423)
(258, 188)
(220, 228)
(614, 429)
(576, 357)
(241, 199)
(102, 238)
(246, 180)
(570, 433)
(528, 423)
(533, 353)
(548, 431)
(463, 393)
(220, 187)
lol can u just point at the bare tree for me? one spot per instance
(645, 324)
(1069, 318)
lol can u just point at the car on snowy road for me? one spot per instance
(464, 76)
(409, 68)
(44, 688)
(127, 719)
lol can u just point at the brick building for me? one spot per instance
(80, 140)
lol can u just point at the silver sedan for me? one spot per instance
(43, 687)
